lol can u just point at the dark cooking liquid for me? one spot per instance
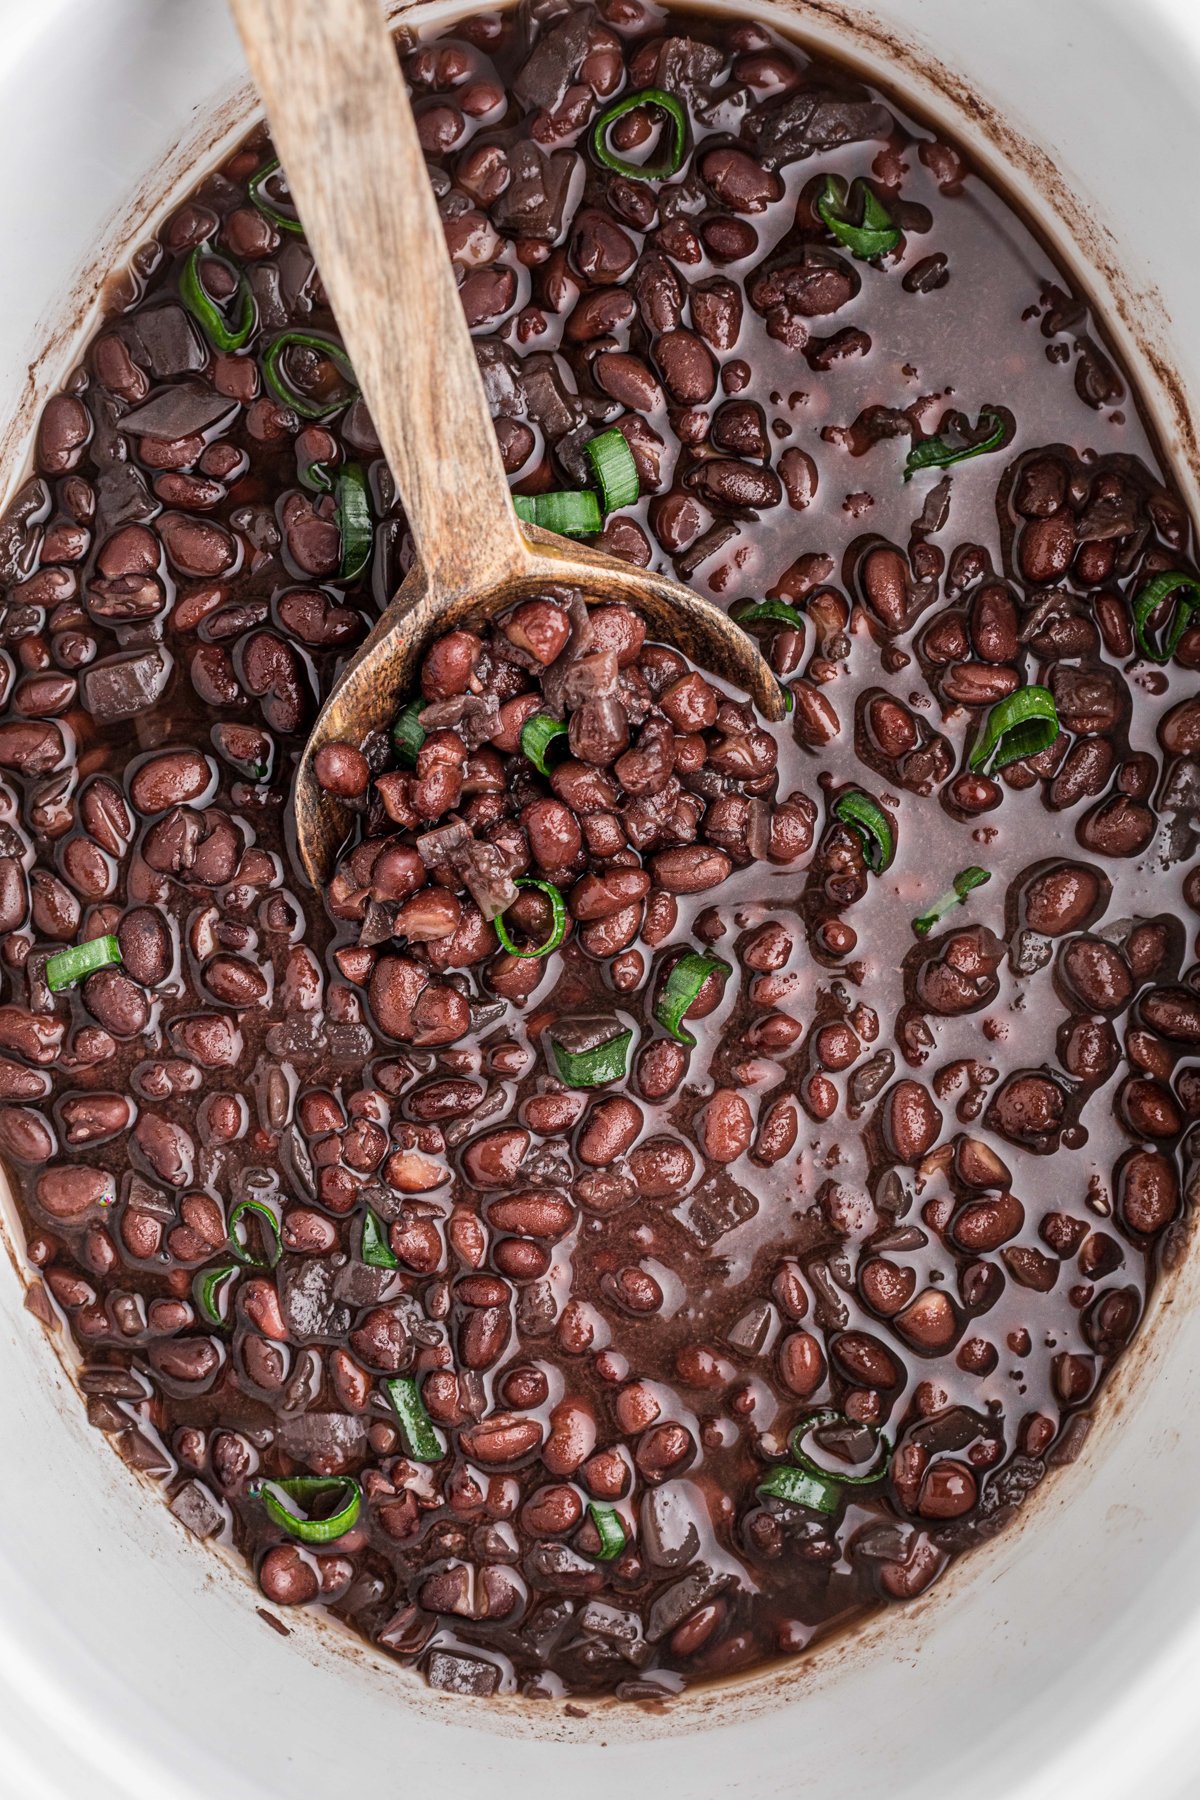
(922, 1182)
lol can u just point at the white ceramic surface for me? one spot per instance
(1061, 1662)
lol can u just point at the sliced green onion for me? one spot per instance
(827, 1416)
(613, 469)
(211, 1291)
(1151, 598)
(607, 1521)
(408, 734)
(316, 477)
(683, 984)
(214, 320)
(537, 735)
(305, 1490)
(801, 1489)
(1021, 725)
(570, 514)
(789, 699)
(670, 164)
(763, 612)
(376, 1249)
(276, 375)
(267, 207)
(866, 817)
(937, 453)
(271, 1236)
(66, 967)
(964, 883)
(596, 1067)
(422, 1440)
(354, 522)
(857, 218)
(558, 921)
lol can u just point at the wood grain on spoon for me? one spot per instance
(346, 137)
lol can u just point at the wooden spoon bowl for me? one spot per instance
(345, 133)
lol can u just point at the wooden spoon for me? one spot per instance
(345, 133)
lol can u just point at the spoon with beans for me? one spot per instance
(346, 136)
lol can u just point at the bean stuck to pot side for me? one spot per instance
(689, 1180)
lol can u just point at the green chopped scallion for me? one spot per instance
(558, 920)
(1150, 599)
(573, 514)
(868, 820)
(595, 1067)
(681, 988)
(800, 1456)
(610, 1530)
(283, 1495)
(66, 967)
(408, 734)
(223, 326)
(422, 1441)
(767, 612)
(257, 190)
(799, 1488)
(275, 374)
(1022, 724)
(376, 1250)
(669, 164)
(964, 883)
(268, 1226)
(613, 469)
(354, 522)
(939, 453)
(537, 735)
(857, 218)
(211, 1289)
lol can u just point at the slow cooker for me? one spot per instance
(1057, 1660)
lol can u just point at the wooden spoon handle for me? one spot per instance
(346, 137)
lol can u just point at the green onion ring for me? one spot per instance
(315, 476)
(408, 734)
(801, 1489)
(595, 1067)
(936, 453)
(304, 1489)
(613, 469)
(1151, 598)
(874, 235)
(830, 1416)
(1023, 724)
(284, 221)
(610, 1529)
(964, 883)
(354, 522)
(868, 819)
(422, 1440)
(764, 612)
(272, 1236)
(209, 1291)
(204, 309)
(376, 1250)
(276, 378)
(558, 922)
(683, 984)
(66, 967)
(671, 163)
(575, 513)
(537, 735)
